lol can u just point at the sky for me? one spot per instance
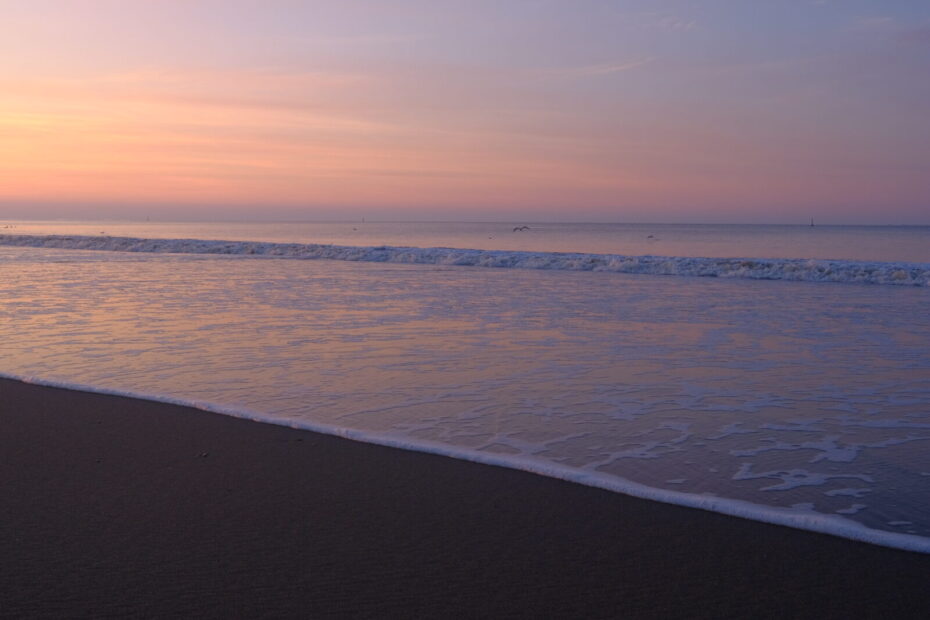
(745, 111)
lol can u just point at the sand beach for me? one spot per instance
(115, 507)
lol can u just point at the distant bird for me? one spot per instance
(519, 228)
(651, 237)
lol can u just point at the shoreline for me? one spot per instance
(119, 506)
(820, 523)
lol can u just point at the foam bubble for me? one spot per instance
(800, 517)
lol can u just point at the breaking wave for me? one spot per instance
(802, 270)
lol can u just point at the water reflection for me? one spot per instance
(796, 395)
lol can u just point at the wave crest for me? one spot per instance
(802, 270)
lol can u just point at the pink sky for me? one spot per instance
(612, 111)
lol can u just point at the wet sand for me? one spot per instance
(118, 507)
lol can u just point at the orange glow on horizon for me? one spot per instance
(365, 107)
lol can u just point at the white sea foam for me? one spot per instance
(851, 492)
(792, 478)
(908, 274)
(800, 517)
(852, 509)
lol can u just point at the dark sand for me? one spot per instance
(108, 508)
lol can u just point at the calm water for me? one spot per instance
(795, 402)
(863, 243)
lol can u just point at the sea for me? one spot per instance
(776, 373)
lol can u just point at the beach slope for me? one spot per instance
(118, 507)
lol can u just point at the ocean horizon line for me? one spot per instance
(376, 220)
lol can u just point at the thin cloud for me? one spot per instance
(915, 36)
(370, 39)
(676, 24)
(607, 68)
(896, 30)
(873, 23)
(665, 20)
